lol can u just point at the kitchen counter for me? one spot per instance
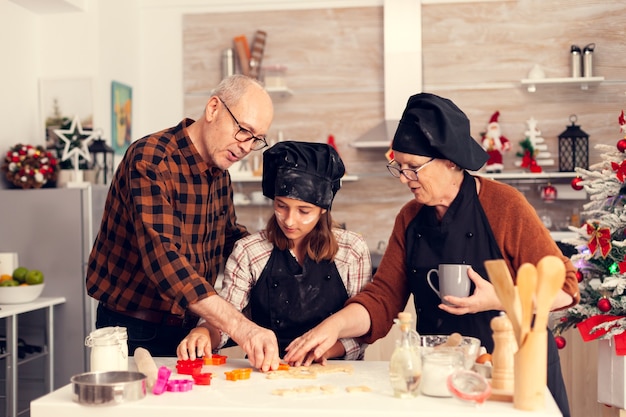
(254, 397)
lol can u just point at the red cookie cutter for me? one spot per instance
(187, 367)
(238, 374)
(215, 360)
(202, 378)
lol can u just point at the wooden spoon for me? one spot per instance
(526, 284)
(500, 277)
(550, 279)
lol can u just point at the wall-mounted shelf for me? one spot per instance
(280, 92)
(584, 82)
(250, 178)
(527, 175)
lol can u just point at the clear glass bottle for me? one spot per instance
(405, 365)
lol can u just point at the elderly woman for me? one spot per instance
(455, 217)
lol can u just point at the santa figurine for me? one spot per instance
(495, 144)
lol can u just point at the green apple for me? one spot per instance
(9, 283)
(34, 277)
(19, 274)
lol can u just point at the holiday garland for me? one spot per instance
(27, 166)
(601, 247)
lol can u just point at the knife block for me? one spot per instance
(531, 372)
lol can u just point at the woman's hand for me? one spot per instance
(484, 298)
(313, 345)
(196, 344)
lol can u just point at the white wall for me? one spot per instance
(19, 51)
(101, 43)
(136, 42)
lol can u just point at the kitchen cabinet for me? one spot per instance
(14, 329)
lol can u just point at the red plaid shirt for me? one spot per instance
(168, 224)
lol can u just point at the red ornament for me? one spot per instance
(576, 184)
(548, 193)
(579, 276)
(621, 145)
(604, 305)
(560, 342)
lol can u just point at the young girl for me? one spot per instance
(301, 268)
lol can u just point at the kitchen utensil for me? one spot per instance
(531, 361)
(500, 277)
(526, 284)
(530, 371)
(145, 365)
(550, 278)
(108, 388)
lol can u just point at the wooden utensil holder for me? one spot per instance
(531, 374)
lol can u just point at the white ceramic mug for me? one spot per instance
(8, 262)
(453, 280)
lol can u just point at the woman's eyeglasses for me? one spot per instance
(409, 174)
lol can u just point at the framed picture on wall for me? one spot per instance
(121, 116)
(61, 100)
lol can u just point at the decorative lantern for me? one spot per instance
(573, 148)
(102, 159)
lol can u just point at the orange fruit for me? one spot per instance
(5, 277)
(485, 357)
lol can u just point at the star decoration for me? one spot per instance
(76, 140)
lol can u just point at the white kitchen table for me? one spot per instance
(253, 397)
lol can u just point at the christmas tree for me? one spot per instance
(601, 250)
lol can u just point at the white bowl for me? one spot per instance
(20, 294)
(469, 345)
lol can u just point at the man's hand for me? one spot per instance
(196, 344)
(258, 343)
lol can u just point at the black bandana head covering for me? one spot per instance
(434, 126)
(305, 171)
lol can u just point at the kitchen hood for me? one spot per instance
(402, 31)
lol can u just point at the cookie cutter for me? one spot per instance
(188, 366)
(215, 360)
(160, 385)
(180, 385)
(238, 374)
(202, 378)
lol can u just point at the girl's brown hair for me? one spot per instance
(320, 243)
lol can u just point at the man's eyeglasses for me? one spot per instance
(244, 135)
(410, 174)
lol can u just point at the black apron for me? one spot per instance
(463, 236)
(291, 299)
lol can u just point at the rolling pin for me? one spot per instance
(145, 365)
